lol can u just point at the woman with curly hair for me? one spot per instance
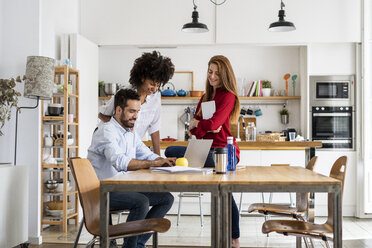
(148, 73)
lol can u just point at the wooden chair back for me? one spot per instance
(312, 163)
(89, 193)
(304, 197)
(338, 171)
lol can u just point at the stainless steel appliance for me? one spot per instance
(332, 111)
(332, 90)
(333, 126)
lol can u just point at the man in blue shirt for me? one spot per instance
(117, 149)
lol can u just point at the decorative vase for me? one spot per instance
(266, 91)
(284, 119)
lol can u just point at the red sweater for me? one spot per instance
(225, 102)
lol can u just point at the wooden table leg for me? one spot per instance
(104, 218)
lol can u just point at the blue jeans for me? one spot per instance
(138, 205)
(179, 152)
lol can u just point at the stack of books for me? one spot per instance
(255, 88)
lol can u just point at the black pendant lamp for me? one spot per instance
(281, 25)
(195, 26)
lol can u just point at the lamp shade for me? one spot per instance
(281, 25)
(39, 77)
(195, 26)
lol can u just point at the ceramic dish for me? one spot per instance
(58, 213)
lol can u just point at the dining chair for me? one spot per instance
(297, 212)
(308, 229)
(263, 196)
(88, 187)
(118, 212)
(190, 194)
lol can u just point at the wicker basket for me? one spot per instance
(268, 137)
(58, 142)
(57, 205)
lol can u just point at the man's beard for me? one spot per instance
(125, 122)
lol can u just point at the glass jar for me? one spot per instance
(250, 132)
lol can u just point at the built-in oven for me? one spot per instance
(333, 126)
(332, 90)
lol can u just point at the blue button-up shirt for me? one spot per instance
(113, 148)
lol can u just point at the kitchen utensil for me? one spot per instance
(181, 92)
(294, 77)
(249, 111)
(286, 76)
(48, 141)
(258, 112)
(168, 92)
(54, 109)
(58, 213)
(110, 88)
(56, 205)
(196, 93)
(169, 139)
(51, 185)
(243, 111)
(250, 132)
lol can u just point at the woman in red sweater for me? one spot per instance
(220, 87)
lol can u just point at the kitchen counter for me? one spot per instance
(254, 145)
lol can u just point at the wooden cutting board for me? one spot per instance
(234, 127)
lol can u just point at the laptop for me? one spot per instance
(197, 152)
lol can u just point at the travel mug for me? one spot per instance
(221, 160)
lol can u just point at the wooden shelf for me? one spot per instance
(257, 100)
(52, 118)
(60, 70)
(72, 192)
(56, 124)
(104, 97)
(52, 166)
(62, 95)
(240, 97)
(52, 220)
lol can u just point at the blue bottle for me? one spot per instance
(231, 154)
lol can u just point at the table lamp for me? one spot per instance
(38, 85)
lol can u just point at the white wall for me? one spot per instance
(20, 40)
(250, 62)
(34, 30)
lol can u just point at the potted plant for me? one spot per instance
(8, 99)
(266, 88)
(284, 114)
(101, 88)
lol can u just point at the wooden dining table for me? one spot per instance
(221, 186)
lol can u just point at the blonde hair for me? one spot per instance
(227, 82)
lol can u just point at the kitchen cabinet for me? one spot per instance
(65, 130)
(144, 23)
(241, 21)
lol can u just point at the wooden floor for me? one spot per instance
(357, 233)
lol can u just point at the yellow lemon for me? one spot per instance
(182, 162)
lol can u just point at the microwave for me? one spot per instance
(332, 90)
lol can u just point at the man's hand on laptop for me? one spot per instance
(165, 162)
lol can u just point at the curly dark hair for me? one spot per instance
(151, 66)
(123, 95)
